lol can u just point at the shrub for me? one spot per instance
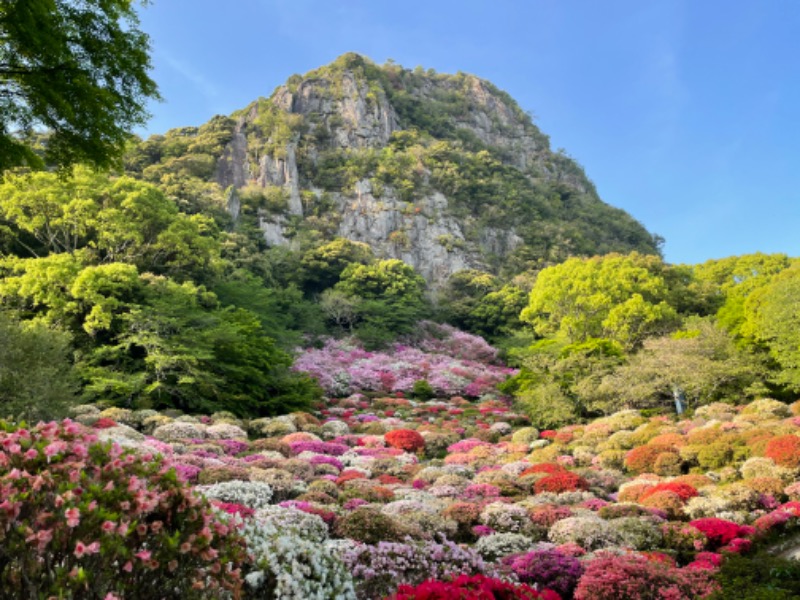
(665, 500)
(784, 450)
(561, 482)
(422, 390)
(612, 577)
(758, 577)
(407, 440)
(379, 568)
(92, 519)
(253, 494)
(476, 587)
(547, 568)
(497, 545)
(683, 490)
(291, 563)
(368, 525)
(643, 458)
(590, 533)
(719, 531)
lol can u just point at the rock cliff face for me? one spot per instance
(443, 172)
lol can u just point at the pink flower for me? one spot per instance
(73, 516)
(31, 454)
(143, 555)
(128, 567)
(109, 527)
(81, 549)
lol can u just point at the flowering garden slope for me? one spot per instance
(382, 496)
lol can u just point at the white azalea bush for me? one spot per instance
(252, 494)
(291, 566)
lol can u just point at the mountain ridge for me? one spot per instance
(445, 172)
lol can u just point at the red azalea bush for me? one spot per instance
(561, 482)
(612, 577)
(471, 587)
(719, 531)
(407, 440)
(784, 450)
(548, 468)
(83, 519)
(683, 490)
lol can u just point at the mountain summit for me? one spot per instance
(444, 172)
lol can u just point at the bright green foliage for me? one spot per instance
(700, 365)
(422, 390)
(389, 280)
(735, 278)
(112, 219)
(37, 380)
(772, 319)
(76, 69)
(621, 297)
(323, 265)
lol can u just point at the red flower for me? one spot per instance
(472, 587)
(405, 439)
(561, 482)
(549, 468)
(684, 490)
(719, 531)
(784, 450)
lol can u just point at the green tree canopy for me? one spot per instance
(697, 365)
(323, 265)
(389, 298)
(735, 278)
(113, 219)
(620, 297)
(79, 71)
(37, 380)
(771, 319)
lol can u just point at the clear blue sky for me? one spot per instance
(684, 113)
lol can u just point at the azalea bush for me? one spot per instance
(379, 568)
(476, 587)
(547, 568)
(89, 519)
(290, 562)
(342, 368)
(612, 577)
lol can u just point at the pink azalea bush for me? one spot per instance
(612, 577)
(86, 519)
(342, 367)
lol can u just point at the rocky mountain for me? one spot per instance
(445, 172)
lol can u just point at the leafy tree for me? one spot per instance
(771, 319)
(621, 297)
(76, 69)
(695, 366)
(340, 308)
(734, 278)
(561, 375)
(37, 380)
(323, 265)
(390, 298)
(112, 219)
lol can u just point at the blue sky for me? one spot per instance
(684, 113)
